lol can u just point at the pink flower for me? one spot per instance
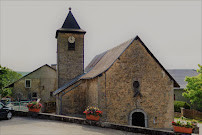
(98, 111)
(85, 112)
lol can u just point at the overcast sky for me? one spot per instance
(170, 29)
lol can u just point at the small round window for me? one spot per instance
(136, 84)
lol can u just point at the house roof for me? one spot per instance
(105, 60)
(11, 85)
(180, 74)
(70, 25)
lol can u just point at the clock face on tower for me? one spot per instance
(71, 39)
(71, 43)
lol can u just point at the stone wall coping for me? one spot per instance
(83, 121)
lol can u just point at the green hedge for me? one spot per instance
(179, 104)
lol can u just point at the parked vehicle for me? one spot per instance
(5, 111)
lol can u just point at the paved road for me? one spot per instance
(29, 126)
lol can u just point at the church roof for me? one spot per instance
(105, 60)
(95, 60)
(70, 25)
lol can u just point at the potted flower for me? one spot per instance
(181, 127)
(34, 106)
(93, 113)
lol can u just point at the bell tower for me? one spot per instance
(70, 50)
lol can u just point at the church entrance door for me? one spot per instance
(138, 119)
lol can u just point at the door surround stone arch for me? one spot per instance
(138, 110)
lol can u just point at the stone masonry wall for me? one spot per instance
(22, 93)
(70, 62)
(82, 94)
(96, 94)
(92, 92)
(74, 101)
(135, 64)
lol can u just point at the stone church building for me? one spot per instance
(126, 82)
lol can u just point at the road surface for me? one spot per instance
(30, 126)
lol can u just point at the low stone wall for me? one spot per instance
(83, 121)
(193, 114)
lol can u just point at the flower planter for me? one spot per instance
(34, 106)
(34, 109)
(182, 129)
(92, 117)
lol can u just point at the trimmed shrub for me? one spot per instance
(179, 104)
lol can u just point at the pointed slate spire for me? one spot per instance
(70, 22)
(70, 25)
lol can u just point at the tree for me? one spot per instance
(7, 76)
(193, 90)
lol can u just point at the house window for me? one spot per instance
(28, 83)
(34, 94)
(51, 94)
